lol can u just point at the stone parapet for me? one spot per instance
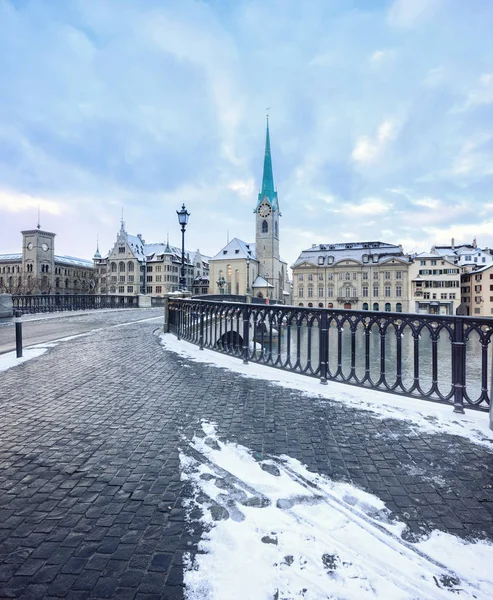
(6, 309)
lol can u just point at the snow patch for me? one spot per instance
(429, 417)
(10, 360)
(273, 529)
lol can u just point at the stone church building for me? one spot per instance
(246, 268)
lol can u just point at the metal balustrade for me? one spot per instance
(446, 359)
(60, 302)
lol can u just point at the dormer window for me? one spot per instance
(121, 249)
(321, 260)
(225, 251)
(365, 258)
(330, 260)
(375, 258)
(237, 251)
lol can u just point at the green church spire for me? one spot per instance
(268, 191)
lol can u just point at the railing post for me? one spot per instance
(201, 335)
(491, 392)
(246, 334)
(323, 345)
(18, 333)
(166, 314)
(178, 320)
(459, 365)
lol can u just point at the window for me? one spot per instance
(433, 262)
(130, 289)
(365, 291)
(310, 292)
(398, 274)
(340, 276)
(375, 290)
(387, 274)
(477, 311)
(330, 292)
(122, 278)
(300, 276)
(355, 275)
(321, 260)
(149, 279)
(330, 276)
(149, 289)
(310, 277)
(443, 296)
(300, 292)
(130, 267)
(265, 227)
(398, 291)
(121, 289)
(159, 277)
(365, 260)
(348, 276)
(365, 305)
(121, 249)
(398, 307)
(422, 263)
(159, 289)
(130, 278)
(375, 306)
(387, 291)
(320, 276)
(320, 291)
(149, 268)
(158, 268)
(365, 275)
(375, 274)
(387, 307)
(121, 267)
(426, 295)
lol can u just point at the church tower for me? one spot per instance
(267, 227)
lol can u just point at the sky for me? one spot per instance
(380, 112)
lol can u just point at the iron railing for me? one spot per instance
(442, 358)
(59, 302)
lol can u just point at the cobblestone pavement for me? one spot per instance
(90, 489)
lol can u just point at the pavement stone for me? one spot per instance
(91, 500)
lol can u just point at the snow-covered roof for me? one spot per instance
(260, 282)
(352, 251)
(72, 261)
(236, 248)
(10, 257)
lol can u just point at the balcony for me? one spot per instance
(347, 299)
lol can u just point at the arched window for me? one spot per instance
(276, 230)
(330, 305)
(387, 307)
(365, 305)
(320, 305)
(66, 283)
(300, 304)
(121, 267)
(348, 276)
(229, 277)
(398, 307)
(130, 266)
(265, 227)
(375, 306)
(113, 267)
(57, 282)
(310, 304)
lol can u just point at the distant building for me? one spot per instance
(354, 275)
(435, 284)
(38, 270)
(468, 256)
(234, 269)
(477, 291)
(133, 267)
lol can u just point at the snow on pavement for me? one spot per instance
(274, 530)
(429, 417)
(9, 359)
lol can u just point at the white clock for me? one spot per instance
(264, 209)
(45, 247)
(30, 246)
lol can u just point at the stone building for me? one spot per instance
(133, 267)
(354, 275)
(435, 284)
(255, 268)
(38, 270)
(477, 291)
(468, 256)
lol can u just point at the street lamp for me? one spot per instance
(183, 215)
(248, 275)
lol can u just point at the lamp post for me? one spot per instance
(183, 215)
(248, 276)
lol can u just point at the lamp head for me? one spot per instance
(183, 215)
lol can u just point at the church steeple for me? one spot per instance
(268, 191)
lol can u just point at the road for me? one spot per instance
(41, 328)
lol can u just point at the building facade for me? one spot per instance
(477, 292)
(357, 275)
(435, 284)
(256, 269)
(133, 267)
(38, 270)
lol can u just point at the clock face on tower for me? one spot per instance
(45, 247)
(264, 209)
(30, 246)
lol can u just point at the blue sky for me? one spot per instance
(381, 118)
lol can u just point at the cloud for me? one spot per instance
(369, 206)
(12, 201)
(368, 150)
(408, 13)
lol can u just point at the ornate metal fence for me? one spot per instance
(442, 358)
(58, 302)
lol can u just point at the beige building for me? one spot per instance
(38, 270)
(133, 267)
(357, 275)
(234, 269)
(434, 285)
(477, 292)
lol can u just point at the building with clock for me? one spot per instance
(255, 268)
(39, 270)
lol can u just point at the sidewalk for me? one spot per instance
(92, 496)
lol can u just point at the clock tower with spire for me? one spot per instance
(271, 268)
